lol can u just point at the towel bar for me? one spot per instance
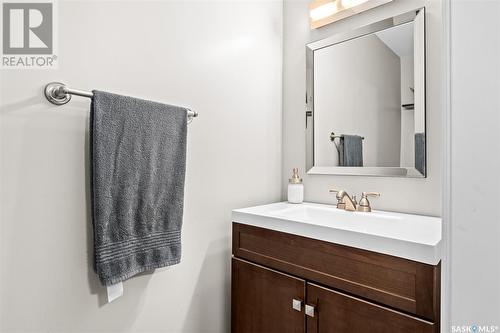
(333, 136)
(59, 94)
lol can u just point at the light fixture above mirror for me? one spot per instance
(323, 12)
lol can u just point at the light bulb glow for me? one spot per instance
(323, 11)
(352, 3)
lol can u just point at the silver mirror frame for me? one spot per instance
(309, 115)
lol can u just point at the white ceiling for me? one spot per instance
(399, 39)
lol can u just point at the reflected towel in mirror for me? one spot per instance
(351, 151)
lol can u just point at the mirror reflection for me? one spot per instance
(368, 107)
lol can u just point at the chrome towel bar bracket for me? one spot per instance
(59, 94)
(333, 136)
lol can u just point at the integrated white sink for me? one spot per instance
(409, 236)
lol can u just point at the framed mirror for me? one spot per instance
(365, 110)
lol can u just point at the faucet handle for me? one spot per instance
(370, 194)
(364, 204)
(340, 193)
(337, 192)
(340, 198)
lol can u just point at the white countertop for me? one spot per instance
(409, 236)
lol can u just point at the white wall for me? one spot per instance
(474, 229)
(223, 59)
(399, 194)
(349, 99)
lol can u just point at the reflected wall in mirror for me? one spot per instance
(366, 100)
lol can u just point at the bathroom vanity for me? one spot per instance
(314, 268)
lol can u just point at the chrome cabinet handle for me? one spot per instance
(309, 310)
(297, 305)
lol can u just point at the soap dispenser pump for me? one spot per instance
(295, 188)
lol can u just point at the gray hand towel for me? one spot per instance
(351, 151)
(138, 164)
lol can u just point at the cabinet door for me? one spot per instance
(339, 313)
(262, 300)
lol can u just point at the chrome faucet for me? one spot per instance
(344, 201)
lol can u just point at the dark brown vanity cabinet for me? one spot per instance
(262, 299)
(288, 283)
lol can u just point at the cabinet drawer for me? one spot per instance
(335, 312)
(395, 282)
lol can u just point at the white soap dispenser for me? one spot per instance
(295, 188)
